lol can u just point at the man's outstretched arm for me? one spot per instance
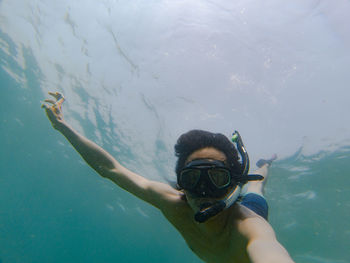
(263, 246)
(267, 249)
(155, 193)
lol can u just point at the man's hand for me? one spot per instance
(54, 112)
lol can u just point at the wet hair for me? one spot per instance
(194, 140)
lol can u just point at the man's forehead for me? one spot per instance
(207, 153)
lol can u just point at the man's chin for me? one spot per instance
(205, 205)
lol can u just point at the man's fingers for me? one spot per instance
(54, 94)
(55, 103)
(49, 111)
(46, 107)
(50, 101)
(57, 95)
(60, 100)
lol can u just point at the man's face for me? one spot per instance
(205, 153)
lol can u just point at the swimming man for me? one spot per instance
(219, 223)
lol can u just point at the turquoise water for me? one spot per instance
(53, 208)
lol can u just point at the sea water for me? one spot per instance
(54, 208)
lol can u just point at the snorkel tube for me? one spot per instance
(236, 138)
(244, 178)
(211, 210)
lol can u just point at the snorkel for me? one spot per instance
(209, 210)
(236, 138)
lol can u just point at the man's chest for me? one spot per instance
(226, 246)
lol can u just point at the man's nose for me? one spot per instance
(203, 189)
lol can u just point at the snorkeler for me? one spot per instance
(218, 208)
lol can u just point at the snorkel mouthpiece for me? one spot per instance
(209, 211)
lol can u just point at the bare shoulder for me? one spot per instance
(166, 196)
(175, 208)
(251, 225)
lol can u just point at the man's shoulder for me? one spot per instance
(250, 224)
(177, 208)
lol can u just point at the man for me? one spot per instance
(218, 224)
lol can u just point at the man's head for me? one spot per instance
(209, 171)
(206, 161)
(195, 140)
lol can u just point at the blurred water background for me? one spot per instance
(137, 74)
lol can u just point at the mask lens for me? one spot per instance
(189, 178)
(219, 177)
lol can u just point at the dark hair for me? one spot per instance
(194, 140)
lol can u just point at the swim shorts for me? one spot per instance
(256, 203)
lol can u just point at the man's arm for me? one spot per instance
(155, 193)
(263, 246)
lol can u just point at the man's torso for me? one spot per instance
(227, 244)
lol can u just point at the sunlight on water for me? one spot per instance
(136, 75)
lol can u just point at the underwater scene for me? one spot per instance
(138, 74)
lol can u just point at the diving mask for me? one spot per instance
(205, 177)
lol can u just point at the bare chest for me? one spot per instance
(224, 246)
